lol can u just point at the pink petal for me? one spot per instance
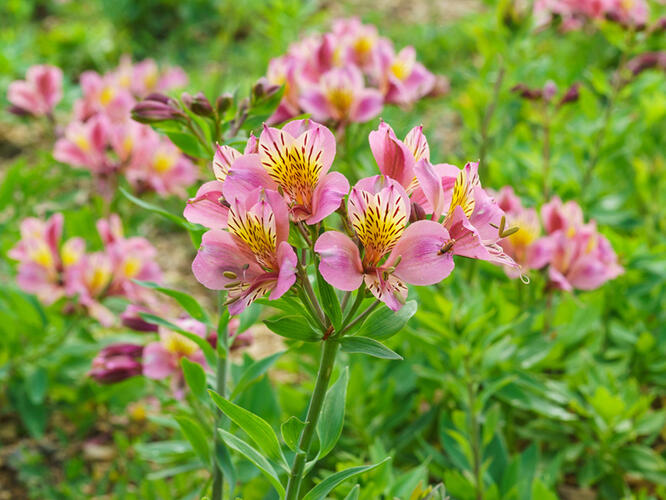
(340, 263)
(558, 280)
(422, 261)
(246, 175)
(219, 252)
(205, 208)
(327, 196)
(314, 101)
(392, 156)
(431, 185)
(369, 104)
(287, 261)
(391, 291)
(158, 363)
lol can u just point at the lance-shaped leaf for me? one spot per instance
(329, 301)
(292, 327)
(196, 436)
(195, 377)
(364, 345)
(384, 323)
(291, 432)
(186, 301)
(320, 491)
(253, 372)
(353, 494)
(255, 457)
(254, 426)
(332, 417)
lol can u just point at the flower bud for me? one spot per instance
(263, 88)
(132, 319)
(18, 111)
(198, 104)
(117, 362)
(223, 102)
(159, 97)
(571, 95)
(527, 93)
(648, 60)
(154, 111)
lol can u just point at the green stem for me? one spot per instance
(221, 388)
(546, 154)
(490, 111)
(359, 318)
(328, 353)
(474, 431)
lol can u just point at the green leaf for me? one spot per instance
(196, 436)
(329, 301)
(176, 219)
(253, 372)
(188, 144)
(320, 491)
(291, 432)
(332, 417)
(254, 426)
(203, 344)
(255, 457)
(384, 323)
(292, 327)
(195, 378)
(365, 345)
(353, 494)
(36, 384)
(186, 301)
(223, 332)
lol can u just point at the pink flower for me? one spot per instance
(44, 264)
(379, 211)
(558, 216)
(582, 259)
(165, 170)
(103, 94)
(341, 95)
(208, 207)
(162, 359)
(117, 362)
(89, 281)
(39, 93)
(525, 246)
(85, 145)
(253, 257)
(294, 161)
(144, 77)
(358, 42)
(403, 80)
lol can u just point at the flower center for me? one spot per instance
(258, 232)
(341, 99)
(463, 193)
(178, 344)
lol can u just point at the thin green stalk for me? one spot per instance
(490, 111)
(359, 318)
(221, 388)
(546, 154)
(328, 353)
(357, 303)
(474, 431)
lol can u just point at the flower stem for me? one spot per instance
(328, 353)
(221, 388)
(490, 110)
(474, 431)
(359, 318)
(546, 154)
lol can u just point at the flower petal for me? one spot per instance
(340, 263)
(327, 196)
(205, 208)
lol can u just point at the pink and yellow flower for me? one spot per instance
(394, 254)
(341, 95)
(252, 258)
(39, 93)
(294, 161)
(403, 80)
(161, 359)
(85, 145)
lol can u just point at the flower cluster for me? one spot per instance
(577, 255)
(53, 269)
(401, 227)
(347, 75)
(38, 94)
(105, 140)
(161, 358)
(574, 13)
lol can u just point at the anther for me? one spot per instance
(229, 274)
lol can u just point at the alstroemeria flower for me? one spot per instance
(131, 258)
(394, 254)
(582, 259)
(473, 217)
(44, 264)
(557, 215)
(103, 94)
(253, 257)
(408, 162)
(525, 246)
(341, 95)
(208, 207)
(358, 42)
(85, 145)
(117, 362)
(38, 93)
(404, 80)
(294, 161)
(162, 359)
(168, 171)
(90, 280)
